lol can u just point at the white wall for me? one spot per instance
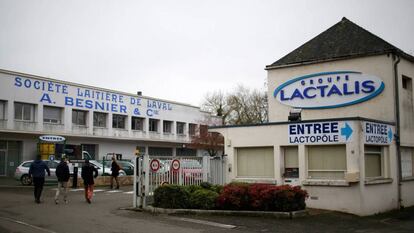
(357, 198)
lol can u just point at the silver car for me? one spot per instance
(22, 171)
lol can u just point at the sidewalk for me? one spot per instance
(11, 182)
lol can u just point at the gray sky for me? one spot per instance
(177, 50)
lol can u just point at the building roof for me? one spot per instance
(343, 40)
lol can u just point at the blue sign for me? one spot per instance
(53, 93)
(329, 90)
(320, 132)
(377, 133)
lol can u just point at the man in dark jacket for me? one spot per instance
(88, 175)
(37, 172)
(62, 173)
(114, 173)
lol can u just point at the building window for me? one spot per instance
(2, 110)
(255, 162)
(160, 151)
(166, 126)
(153, 125)
(407, 83)
(118, 121)
(203, 130)
(180, 128)
(407, 162)
(79, 117)
(52, 115)
(374, 161)
(326, 162)
(24, 112)
(192, 129)
(291, 162)
(138, 123)
(99, 119)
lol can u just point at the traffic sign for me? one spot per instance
(175, 164)
(155, 165)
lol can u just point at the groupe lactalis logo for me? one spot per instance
(329, 90)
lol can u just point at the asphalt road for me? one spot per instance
(107, 214)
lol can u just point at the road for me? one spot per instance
(108, 214)
(19, 213)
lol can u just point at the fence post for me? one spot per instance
(135, 196)
(145, 164)
(206, 167)
(180, 173)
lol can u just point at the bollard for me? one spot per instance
(75, 177)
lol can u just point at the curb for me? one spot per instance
(284, 215)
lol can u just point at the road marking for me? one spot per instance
(27, 224)
(76, 190)
(215, 224)
(130, 192)
(98, 190)
(114, 191)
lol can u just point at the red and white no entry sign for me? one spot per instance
(175, 164)
(154, 165)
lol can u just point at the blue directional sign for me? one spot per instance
(377, 133)
(320, 132)
(346, 131)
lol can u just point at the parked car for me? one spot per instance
(126, 166)
(192, 169)
(22, 171)
(101, 171)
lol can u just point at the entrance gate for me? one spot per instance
(154, 171)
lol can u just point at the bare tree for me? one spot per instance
(216, 104)
(242, 106)
(211, 142)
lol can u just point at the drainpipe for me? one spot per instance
(397, 128)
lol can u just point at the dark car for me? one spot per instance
(127, 166)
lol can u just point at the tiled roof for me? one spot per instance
(343, 40)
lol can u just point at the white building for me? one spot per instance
(341, 124)
(91, 119)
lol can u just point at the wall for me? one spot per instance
(340, 195)
(16, 87)
(406, 68)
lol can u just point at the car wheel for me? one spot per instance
(122, 173)
(26, 180)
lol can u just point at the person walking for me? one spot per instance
(88, 175)
(37, 172)
(115, 173)
(62, 173)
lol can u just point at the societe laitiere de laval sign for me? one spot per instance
(329, 90)
(321, 132)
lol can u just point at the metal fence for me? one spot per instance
(154, 171)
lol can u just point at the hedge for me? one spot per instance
(234, 196)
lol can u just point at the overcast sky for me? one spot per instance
(178, 50)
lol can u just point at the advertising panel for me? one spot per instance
(329, 90)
